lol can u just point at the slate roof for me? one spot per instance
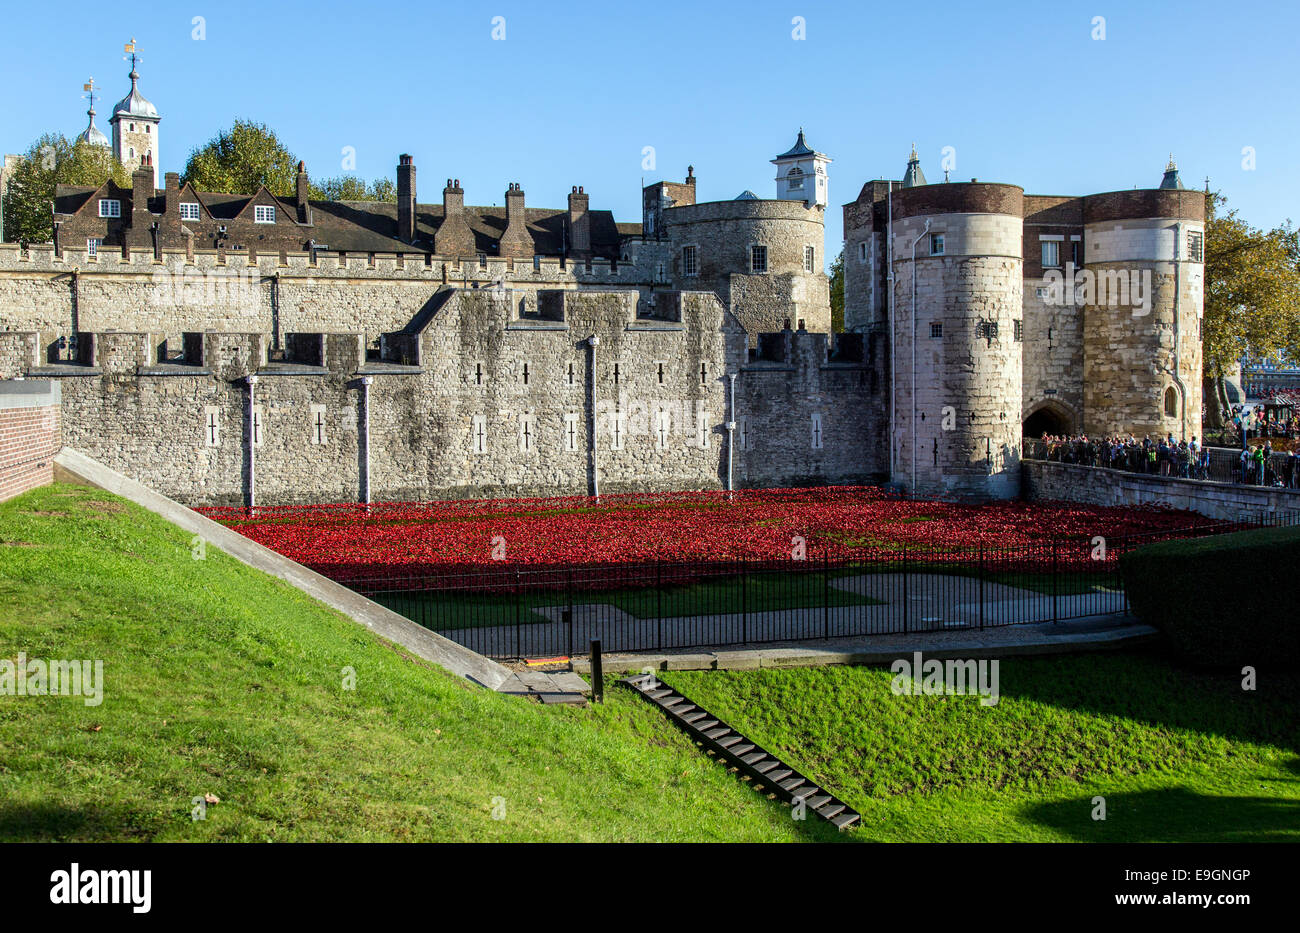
(800, 148)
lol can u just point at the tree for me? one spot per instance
(837, 293)
(352, 188)
(1252, 297)
(52, 160)
(242, 159)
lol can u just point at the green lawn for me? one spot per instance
(221, 680)
(1178, 756)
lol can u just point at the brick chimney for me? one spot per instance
(454, 236)
(171, 218)
(516, 242)
(138, 234)
(302, 192)
(579, 224)
(405, 199)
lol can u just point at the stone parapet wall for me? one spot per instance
(1045, 481)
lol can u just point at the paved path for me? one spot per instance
(906, 604)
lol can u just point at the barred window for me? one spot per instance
(809, 258)
(987, 329)
(1195, 246)
(936, 329)
(689, 266)
(1019, 330)
(758, 259)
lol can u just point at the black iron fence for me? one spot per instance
(544, 612)
(1210, 464)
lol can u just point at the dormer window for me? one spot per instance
(189, 210)
(264, 214)
(110, 208)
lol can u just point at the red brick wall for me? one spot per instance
(30, 436)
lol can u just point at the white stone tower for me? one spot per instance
(135, 124)
(801, 174)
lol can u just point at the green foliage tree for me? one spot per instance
(240, 160)
(352, 188)
(1252, 297)
(837, 293)
(52, 160)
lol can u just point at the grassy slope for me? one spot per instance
(222, 680)
(1178, 756)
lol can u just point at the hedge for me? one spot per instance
(1224, 600)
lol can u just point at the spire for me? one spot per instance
(91, 133)
(1171, 179)
(913, 176)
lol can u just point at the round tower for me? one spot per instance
(956, 349)
(1141, 291)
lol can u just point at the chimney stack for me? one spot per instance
(171, 218)
(579, 224)
(405, 199)
(303, 194)
(516, 242)
(454, 236)
(138, 235)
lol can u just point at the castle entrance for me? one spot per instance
(1047, 420)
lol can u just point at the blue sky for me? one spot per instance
(572, 95)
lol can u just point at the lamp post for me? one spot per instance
(731, 436)
(365, 437)
(593, 341)
(252, 442)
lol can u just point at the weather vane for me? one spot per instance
(130, 48)
(90, 89)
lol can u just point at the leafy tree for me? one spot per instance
(52, 160)
(837, 293)
(240, 160)
(352, 188)
(1252, 297)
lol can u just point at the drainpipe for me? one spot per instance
(1178, 379)
(365, 438)
(893, 354)
(593, 341)
(731, 434)
(252, 447)
(920, 236)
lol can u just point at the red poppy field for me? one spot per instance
(348, 541)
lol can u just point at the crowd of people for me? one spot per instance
(1163, 456)
(1167, 456)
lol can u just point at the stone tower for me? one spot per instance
(1143, 294)
(801, 174)
(956, 357)
(135, 124)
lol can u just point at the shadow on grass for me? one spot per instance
(1174, 814)
(1150, 685)
(45, 822)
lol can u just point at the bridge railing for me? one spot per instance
(1212, 465)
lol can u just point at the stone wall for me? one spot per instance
(1045, 481)
(30, 435)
